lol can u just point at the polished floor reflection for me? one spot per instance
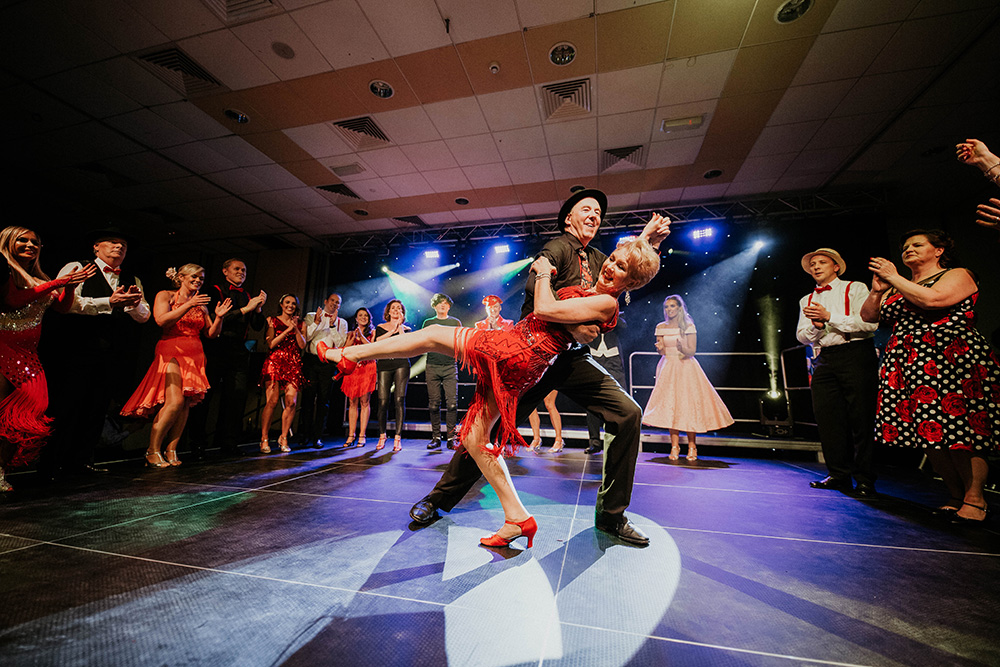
(309, 558)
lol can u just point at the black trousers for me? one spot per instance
(229, 376)
(399, 377)
(613, 365)
(316, 397)
(844, 389)
(576, 375)
(78, 416)
(446, 378)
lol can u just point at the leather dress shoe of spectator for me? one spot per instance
(833, 484)
(864, 490)
(423, 512)
(623, 529)
(316, 444)
(594, 448)
(451, 444)
(434, 444)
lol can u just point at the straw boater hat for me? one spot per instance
(602, 200)
(492, 300)
(829, 252)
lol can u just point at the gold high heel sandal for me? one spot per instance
(171, 457)
(264, 447)
(155, 460)
(675, 452)
(692, 454)
(283, 444)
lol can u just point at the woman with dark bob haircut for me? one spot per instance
(939, 383)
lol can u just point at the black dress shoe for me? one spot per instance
(434, 444)
(451, 444)
(623, 529)
(317, 444)
(594, 448)
(865, 491)
(423, 511)
(833, 484)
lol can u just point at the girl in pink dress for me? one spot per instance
(176, 379)
(507, 363)
(682, 399)
(282, 372)
(359, 385)
(25, 293)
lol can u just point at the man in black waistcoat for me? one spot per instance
(96, 345)
(228, 362)
(605, 351)
(575, 374)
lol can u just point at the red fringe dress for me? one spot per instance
(508, 363)
(22, 413)
(181, 341)
(283, 363)
(362, 381)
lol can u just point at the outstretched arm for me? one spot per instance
(18, 298)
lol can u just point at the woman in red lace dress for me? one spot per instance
(282, 372)
(25, 292)
(507, 363)
(359, 385)
(176, 379)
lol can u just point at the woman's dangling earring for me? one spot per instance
(628, 298)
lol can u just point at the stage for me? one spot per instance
(309, 558)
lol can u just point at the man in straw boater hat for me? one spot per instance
(574, 374)
(845, 372)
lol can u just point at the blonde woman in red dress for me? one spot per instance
(176, 379)
(507, 363)
(282, 372)
(359, 385)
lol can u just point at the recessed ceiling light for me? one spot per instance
(713, 173)
(283, 50)
(792, 10)
(380, 89)
(562, 54)
(360, 211)
(461, 201)
(238, 116)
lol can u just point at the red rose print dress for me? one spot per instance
(939, 383)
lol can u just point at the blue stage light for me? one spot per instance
(431, 254)
(703, 233)
(501, 249)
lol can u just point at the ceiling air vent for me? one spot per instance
(235, 11)
(567, 99)
(339, 189)
(179, 71)
(362, 133)
(412, 220)
(623, 159)
(347, 169)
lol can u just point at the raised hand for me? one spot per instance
(80, 275)
(883, 269)
(988, 215)
(197, 300)
(223, 307)
(657, 229)
(542, 266)
(129, 297)
(974, 152)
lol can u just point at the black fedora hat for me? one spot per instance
(602, 200)
(95, 236)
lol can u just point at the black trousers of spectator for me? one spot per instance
(844, 389)
(78, 416)
(613, 365)
(229, 376)
(399, 377)
(316, 398)
(576, 375)
(446, 378)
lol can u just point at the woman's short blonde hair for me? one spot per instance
(643, 261)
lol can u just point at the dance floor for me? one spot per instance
(309, 558)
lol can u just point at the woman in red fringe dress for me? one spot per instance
(282, 372)
(24, 396)
(359, 385)
(176, 379)
(507, 363)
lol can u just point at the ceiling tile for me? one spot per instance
(86, 92)
(487, 175)
(318, 140)
(763, 27)
(510, 109)
(478, 20)
(539, 41)
(534, 13)
(850, 14)
(276, 146)
(409, 185)
(474, 150)
(880, 156)
(660, 197)
(447, 180)
(793, 183)
(199, 158)
(134, 81)
(769, 167)
(695, 78)
(328, 96)
(745, 188)
(471, 214)
(435, 75)
(275, 176)
(388, 161)
(178, 18)
(259, 37)
(628, 90)
(66, 43)
(341, 32)
(926, 42)
(87, 142)
(529, 171)
(706, 26)
(843, 55)
(633, 37)
(149, 129)
(704, 108)
(544, 208)
(510, 212)
(430, 155)
(736, 123)
(704, 192)
(571, 136)
(28, 110)
(441, 218)
(238, 181)
(775, 139)
(273, 201)
(882, 92)
(574, 165)
(232, 62)
(311, 172)
(373, 189)
(239, 151)
(674, 153)
(766, 67)
(507, 51)
(626, 129)
(520, 144)
(935, 7)
(407, 126)
(190, 119)
(914, 123)
(146, 167)
(457, 118)
(406, 26)
(116, 23)
(848, 130)
(812, 102)
(825, 160)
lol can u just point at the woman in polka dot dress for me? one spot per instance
(939, 383)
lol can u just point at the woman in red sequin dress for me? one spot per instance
(939, 383)
(507, 363)
(176, 379)
(26, 293)
(359, 385)
(282, 372)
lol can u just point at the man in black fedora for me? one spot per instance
(93, 353)
(575, 374)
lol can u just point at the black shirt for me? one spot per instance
(562, 252)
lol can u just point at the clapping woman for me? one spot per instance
(359, 385)
(393, 374)
(282, 372)
(176, 379)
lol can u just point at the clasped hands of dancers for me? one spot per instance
(500, 382)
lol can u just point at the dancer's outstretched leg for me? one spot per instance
(434, 338)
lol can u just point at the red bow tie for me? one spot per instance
(108, 269)
(234, 288)
(825, 288)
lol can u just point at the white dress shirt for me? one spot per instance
(845, 324)
(88, 305)
(331, 331)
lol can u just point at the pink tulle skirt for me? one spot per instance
(683, 399)
(151, 392)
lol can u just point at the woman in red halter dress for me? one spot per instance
(282, 371)
(507, 363)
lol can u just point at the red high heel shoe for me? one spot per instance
(344, 367)
(528, 529)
